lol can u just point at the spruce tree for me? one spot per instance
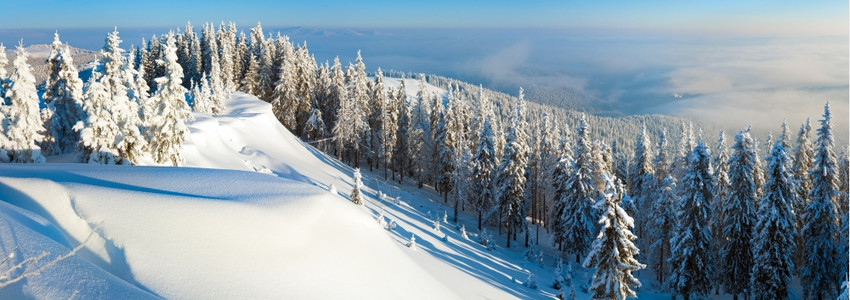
(613, 253)
(774, 240)
(483, 166)
(820, 272)
(663, 220)
(420, 134)
(97, 130)
(401, 149)
(739, 216)
(377, 106)
(356, 194)
(305, 78)
(577, 198)
(167, 129)
(284, 101)
(721, 191)
(691, 244)
(63, 97)
(510, 179)
(640, 183)
(118, 79)
(25, 128)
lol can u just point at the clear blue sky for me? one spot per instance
(735, 16)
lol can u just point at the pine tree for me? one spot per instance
(774, 240)
(250, 83)
(691, 245)
(356, 195)
(359, 93)
(284, 99)
(483, 165)
(63, 97)
(167, 129)
(663, 220)
(314, 130)
(613, 253)
(25, 128)
(4, 77)
(640, 182)
(420, 135)
(377, 104)
(842, 203)
(202, 97)
(510, 178)
(118, 79)
(401, 149)
(739, 216)
(577, 198)
(389, 131)
(820, 272)
(721, 192)
(98, 130)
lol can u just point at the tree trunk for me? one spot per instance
(509, 237)
(457, 202)
(479, 220)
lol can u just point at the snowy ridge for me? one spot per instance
(215, 232)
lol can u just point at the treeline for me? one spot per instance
(709, 218)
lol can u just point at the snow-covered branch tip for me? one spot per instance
(27, 264)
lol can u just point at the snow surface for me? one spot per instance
(252, 215)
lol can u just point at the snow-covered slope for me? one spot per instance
(266, 228)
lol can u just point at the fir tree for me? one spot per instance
(578, 197)
(510, 179)
(774, 239)
(401, 149)
(98, 130)
(167, 129)
(25, 128)
(721, 192)
(739, 216)
(483, 165)
(356, 194)
(640, 182)
(613, 253)
(63, 97)
(691, 245)
(124, 103)
(420, 135)
(820, 272)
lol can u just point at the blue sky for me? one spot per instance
(723, 16)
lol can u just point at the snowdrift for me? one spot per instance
(192, 233)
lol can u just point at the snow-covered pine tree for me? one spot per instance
(445, 136)
(359, 94)
(774, 235)
(420, 135)
(265, 76)
(640, 183)
(218, 89)
(389, 131)
(250, 82)
(663, 220)
(97, 130)
(842, 203)
(578, 197)
(202, 97)
(510, 177)
(820, 271)
(226, 40)
(314, 130)
(25, 128)
(118, 79)
(691, 244)
(356, 194)
(284, 101)
(721, 190)
(483, 166)
(63, 96)
(377, 105)
(401, 149)
(167, 129)
(739, 217)
(613, 253)
(305, 77)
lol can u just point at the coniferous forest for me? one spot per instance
(708, 212)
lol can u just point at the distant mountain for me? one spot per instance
(38, 54)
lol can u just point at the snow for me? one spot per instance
(248, 217)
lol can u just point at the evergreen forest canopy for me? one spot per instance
(746, 219)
